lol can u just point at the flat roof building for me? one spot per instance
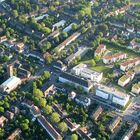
(112, 95)
(82, 71)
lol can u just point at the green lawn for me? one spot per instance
(100, 68)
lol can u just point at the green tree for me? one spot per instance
(63, 127)
(55, 117)
(47, 110)
(1, 110)
(74, 137)
(15, 13)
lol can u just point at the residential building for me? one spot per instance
(51, 90)
(114, 123)
(67, 41)
(133, 44)
(136, 88)
(100, 50)
(23, 73)
(54, 34)
(129, 64)
(112, 95)
(47, 56)
(84, 101)
(10, 70)
(97, 113)
(3, 39)
(83, 134)
(27, 103)
(20, 47)
(71, 126)
(15, 109)
(71, 79)
(49, 128)
(81, 51)
(3, 121)
(58, 24)
(71, 95)
(35, 111)
(41, 17)
(15, 134)
(130, 29)
(82, 71)
(119, 11)
(125, 79)
(59, 65)
(68, 28)
(35, 55)
(114, 58)
(129, 133)
(10, 84)
(9, 115)
(38, 35)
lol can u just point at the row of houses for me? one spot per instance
(114, 58)
(81, 51)
(16, 133)
(129, 133)
(72, 126)
(95, 115)
(67, 41)
(43, 121)
(129, 64)
(119, 11)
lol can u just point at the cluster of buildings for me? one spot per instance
(9, 115)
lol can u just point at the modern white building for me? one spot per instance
(112, 95)
(10, 84)
(82, 71)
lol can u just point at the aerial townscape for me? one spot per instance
(69, 69)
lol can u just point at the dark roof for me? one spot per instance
(49, 128)
(75, 79)
(83, 134)
(58, 64)
(38, 34)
